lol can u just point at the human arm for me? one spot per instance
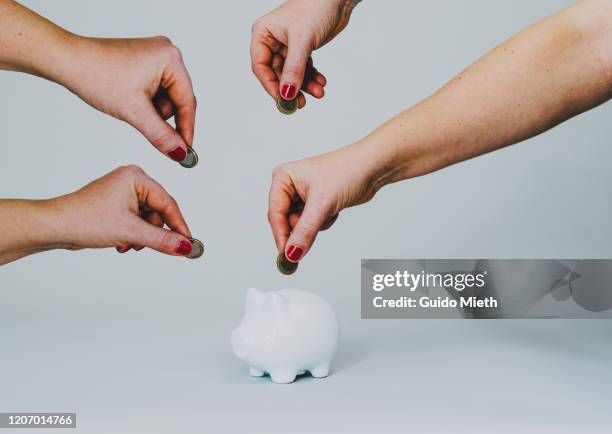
(141, 81)
(548, 73)
(283, 41)
(123, 209)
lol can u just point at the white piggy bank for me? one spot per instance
(286, 333)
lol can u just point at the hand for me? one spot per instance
(141, 81)
(123, 209)
(306, 196)
(283, 40)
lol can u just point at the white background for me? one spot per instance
(140, 342)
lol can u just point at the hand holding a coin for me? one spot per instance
(307, 195)
(123, 209)
(283, 40)
(141, 81)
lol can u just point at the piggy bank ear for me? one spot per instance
(254, 299)
(277, 302)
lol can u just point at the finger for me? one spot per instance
(312, 74)
(123, 249)
(153, 195)
(315, 89)
(178, 86)
(301, 100)
(319, 78)
(329, 223)
(311, 85)
(279, 204)
(293, 219)
(294, 69)
(277, 66)
(163, 105)
(261, 59)
(314, 216)
(162, 240)
(147, 120)
(155, 219)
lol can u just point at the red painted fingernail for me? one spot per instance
(184, 248)
(177, 154)
(294, 253)
(288, 91)
(123, 249)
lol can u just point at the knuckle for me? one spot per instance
(293, 69)
(161, 138)
(164, 38)
(279, 171)
(170, 205)
(130, 170)
(175, 53)
(306, 231)
(165, 240)
(326, 203)
(257, 26)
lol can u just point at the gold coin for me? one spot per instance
(191, 159)
(197, 249)
(284, 265)
(286, 107)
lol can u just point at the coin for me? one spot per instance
(286, 107)
(284, 265)
(191, 159)
(197, 249)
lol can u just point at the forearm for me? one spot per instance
(546, 74)
(30, 43)
(28, 226)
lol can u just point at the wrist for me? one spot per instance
(390, 161)
(48, 53)
(49, 222)
(62, 62)
(30, 227)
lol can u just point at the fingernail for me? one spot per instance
(177, 154)
(184, 248)
(294, 253)
(138, 249)
(123, 249)
(288, 91)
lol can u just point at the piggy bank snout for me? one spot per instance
(239, 344)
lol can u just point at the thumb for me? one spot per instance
(294, 68)
(159, 132)
(305, 231)
(162, 240)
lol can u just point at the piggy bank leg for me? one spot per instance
(283, 376)
(255, 372)
(320, 371)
